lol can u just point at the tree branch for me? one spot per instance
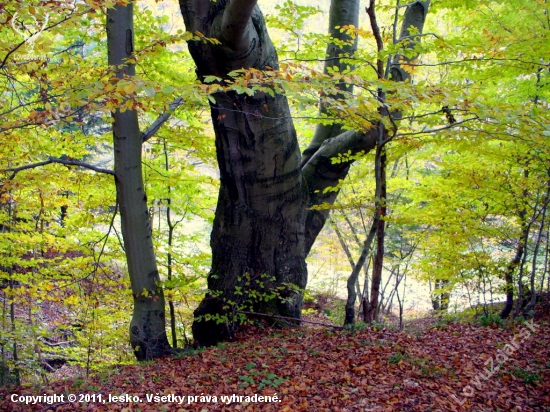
(320, 172)
(44, 341)
(67, 162)
(289, 318)
(235, 23)
(155, 126)
(371, 12)
(194, 13)
(430, 131)
(415, 16)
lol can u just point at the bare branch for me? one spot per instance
(44, 341)
(429, 131)
(155, 126)
(289, 318)
(480, 60)
(414, 36)
(371, 11)
(67, 162)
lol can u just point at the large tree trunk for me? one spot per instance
(263, 223)
(259, 221)
(147, 328)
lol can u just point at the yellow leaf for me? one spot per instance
(71, 300)
(108, 87)
(129, 88)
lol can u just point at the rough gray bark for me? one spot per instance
(415, 16)
(147, 328)
(319, 173)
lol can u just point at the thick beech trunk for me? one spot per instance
(259, 222)
(263, 225)
(147, 328)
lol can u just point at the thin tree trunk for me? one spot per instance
(525, 241)
(365, 299)
(342, 242)
(171, 228)
(545, 269)
(342, 13)
(414, 18)
(350, 302)
(509, 278)
(533, 301)
(401, 302)
(516, 260)
(380, 176)
(147, 328)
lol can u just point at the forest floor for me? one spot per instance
(432, 365)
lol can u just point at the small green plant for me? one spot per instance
(251, 294)
(188, 351)
(528, 377)
(78, 382)
(395, 358)
(247, 381)
(329, 333)
(489, 319)
(444, 320)
(312, 352)
(356, 327)
(309, 297)
(308, 311)
(271, 380)
(265, 377)
(377, 325)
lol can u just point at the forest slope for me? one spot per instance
(432, 368)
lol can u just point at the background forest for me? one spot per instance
(467, 168)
